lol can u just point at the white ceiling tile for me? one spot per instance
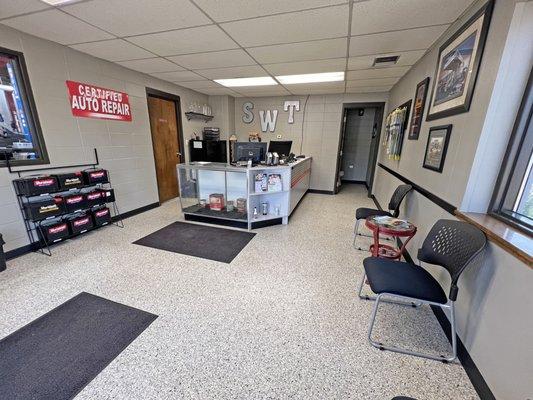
(138, 16)
(391, 72)
(227, 10)
(262, 91)
(205, 84)
(151, 65)
(307, 67)
(368, 89)
(320, 49)
(309, 91)
(56, 26)
(386, 15)
(178, 76)
(10, 8)
(113, 50)
(217, 91)
(183, 41)
(365, 62)
(333, 87)
(372, 82)
(411, 39)
(330, 22)
(233, 72)
(217, 59)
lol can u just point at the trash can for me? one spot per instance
(2, 255)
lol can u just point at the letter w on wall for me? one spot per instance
(268, 120)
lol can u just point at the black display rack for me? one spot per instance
(34, 229)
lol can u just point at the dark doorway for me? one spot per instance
(359, 144)
(167, 138)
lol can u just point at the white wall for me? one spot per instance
(495, 302)
(320, 131)
(124, 148)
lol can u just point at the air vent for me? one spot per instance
(385, 61)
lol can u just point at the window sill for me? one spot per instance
(512, 240)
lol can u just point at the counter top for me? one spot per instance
(228, 167)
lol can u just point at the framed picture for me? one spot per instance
(458, 65)
(437, 146)
(395, 126)
(418, 109)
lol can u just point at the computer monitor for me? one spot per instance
(255, 151)
(208, 150)
(283, 148)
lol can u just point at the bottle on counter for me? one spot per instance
(256, 214)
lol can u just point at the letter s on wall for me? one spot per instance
(248, 116)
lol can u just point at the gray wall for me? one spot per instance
(124, 148)
(495, 302)
(321, 128)
(357, 141)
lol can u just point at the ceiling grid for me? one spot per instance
(193, 42)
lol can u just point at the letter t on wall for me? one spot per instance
(290, 106)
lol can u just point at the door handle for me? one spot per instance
(178, 154)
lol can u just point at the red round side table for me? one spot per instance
(382, 226)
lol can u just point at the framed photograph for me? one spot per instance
(418, 109)
(458, 65)
(437, 146)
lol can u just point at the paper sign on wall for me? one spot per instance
(90, 101)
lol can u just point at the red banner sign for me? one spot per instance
(95, 102)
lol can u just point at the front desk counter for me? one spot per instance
(236, 186)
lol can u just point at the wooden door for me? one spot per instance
(167, 153)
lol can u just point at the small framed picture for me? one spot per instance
(418, 109)
(458, 65)
(437, 146)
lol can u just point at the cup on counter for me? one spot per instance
(203, 202)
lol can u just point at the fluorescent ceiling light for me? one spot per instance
(311, 78)
(59, 2)
(239, 82)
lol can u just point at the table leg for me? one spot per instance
(375, 249)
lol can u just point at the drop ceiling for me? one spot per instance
(193, 42)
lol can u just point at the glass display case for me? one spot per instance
(214, 191)
(243, 197)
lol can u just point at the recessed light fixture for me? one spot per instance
(239, 82)
(311, 78)
(59, 2)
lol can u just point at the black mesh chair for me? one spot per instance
(451, 245)
(394, 210)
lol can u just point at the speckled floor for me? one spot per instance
(282, 321)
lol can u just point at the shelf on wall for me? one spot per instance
(193, 115)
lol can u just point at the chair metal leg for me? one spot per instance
(363, 279)
(357, 233)
(382, 346)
